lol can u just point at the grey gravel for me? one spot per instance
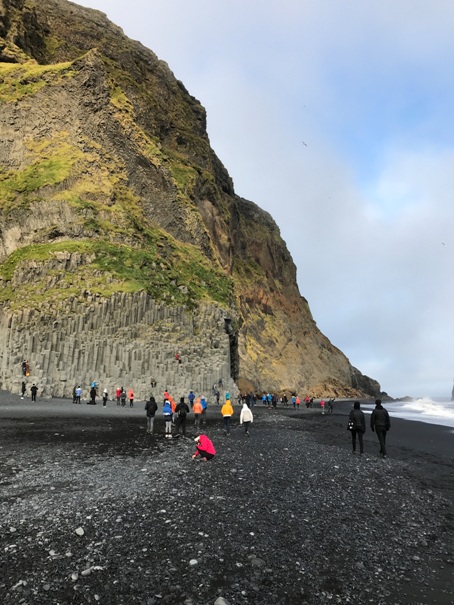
(281, 517)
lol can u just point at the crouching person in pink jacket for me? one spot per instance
(205, 448)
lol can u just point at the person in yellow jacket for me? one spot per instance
(197, 409)
(227, 413)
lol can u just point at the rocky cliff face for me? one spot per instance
(111, 196)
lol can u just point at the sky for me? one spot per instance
(336, 116)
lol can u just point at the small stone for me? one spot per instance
(193, 562)
(256, 562)
(86, 572)
(80, 531)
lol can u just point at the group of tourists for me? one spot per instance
(176, 414)
(272, 400)
(121, 395)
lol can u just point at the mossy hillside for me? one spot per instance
(51, 162)
(22, 187)
(167, 270)
(91, 181)
(183, 173)
(25, 79)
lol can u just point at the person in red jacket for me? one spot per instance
(205, 448)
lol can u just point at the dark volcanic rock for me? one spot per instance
(95, 510)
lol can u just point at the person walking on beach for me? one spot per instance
(227, 413)
(205, 448)
(357, 426)
(191, 398)
(181, 413)
(167, 412)
(204, 404)
(105, 397)
(118, 395)
(123, 397)
(322, 405)
(23, 389)
(246, 418)
(331, 405)
(34, 390)
(131, 398)
(197, 409)
(151, 407)
(380, 423)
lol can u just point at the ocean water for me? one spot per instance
(433, 411)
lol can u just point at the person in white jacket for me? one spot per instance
(246, 418)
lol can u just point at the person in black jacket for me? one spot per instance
(181, 412)
(380, 423)
(151, 408)
(34, 390)
(357, 421)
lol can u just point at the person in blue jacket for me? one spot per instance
(167, 413)
(204, 404)
(191, 398)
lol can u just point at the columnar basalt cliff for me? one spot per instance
(122, 240)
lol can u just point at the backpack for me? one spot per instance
(182, 412)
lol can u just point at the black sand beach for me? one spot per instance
(94, 510)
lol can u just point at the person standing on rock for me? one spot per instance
(167, 413)
(357, 422)
(246, 418)
(227, 413)
(131, 398)
(151, 407)
(24, 368)
(181, 414)
(33, 391)
(380, 423)
(205, 448)
(197, 409)
(23, 389)
(105, 397)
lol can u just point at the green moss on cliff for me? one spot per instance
(51, 165)
(166, 269)
(19, 81)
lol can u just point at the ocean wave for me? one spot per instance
(424, 410)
